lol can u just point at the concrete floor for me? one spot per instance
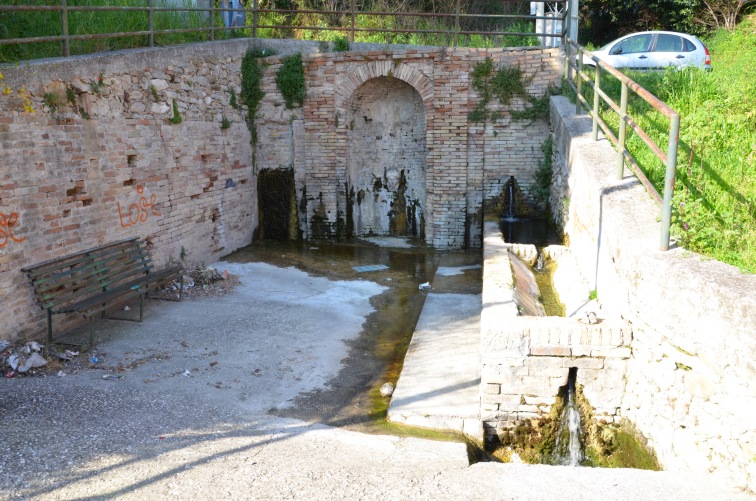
(190, 419)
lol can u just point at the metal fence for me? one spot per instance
(575, 76)
(216, 12)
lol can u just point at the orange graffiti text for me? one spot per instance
(6, 228)
(138, 212)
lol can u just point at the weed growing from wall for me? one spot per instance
(232, 100)
(176, 118)
(23, 95)
(341, 44)
(225, 123)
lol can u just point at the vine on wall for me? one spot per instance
(290, 80)
(252, 70)
(504, 84)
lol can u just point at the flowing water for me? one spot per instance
(569, 448)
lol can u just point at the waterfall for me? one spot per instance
(539, 261)
(569, 450)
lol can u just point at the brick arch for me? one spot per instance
(357, 76)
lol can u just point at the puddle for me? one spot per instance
(352, 399)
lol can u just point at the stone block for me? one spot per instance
(491, 389)
(540, 401)
(583, 363)
(550, 351)
(699, 385)
(611, 352)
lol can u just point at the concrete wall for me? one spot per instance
(691, 382)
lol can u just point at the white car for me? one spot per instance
(653, 50)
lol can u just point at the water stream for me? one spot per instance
(569, 447)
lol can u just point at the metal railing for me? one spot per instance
(153, 7)
(574, 71)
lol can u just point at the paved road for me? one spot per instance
(160, 434)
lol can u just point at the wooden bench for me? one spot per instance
(94, 280)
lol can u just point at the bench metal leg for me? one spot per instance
(141, 307)
(91, 331)
(49, 326)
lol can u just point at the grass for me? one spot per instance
(714, 209)
(23, 24)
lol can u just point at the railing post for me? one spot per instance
(151, 23)
(211, 21)
(596, 87)
(622, 133)
(456, 24)
(669, 179)
(64, 28)
(351, 33)
(579, 81)
(254, 19)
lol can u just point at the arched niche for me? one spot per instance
(386, 159)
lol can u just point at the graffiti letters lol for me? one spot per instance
(7, 222)
(139, 211)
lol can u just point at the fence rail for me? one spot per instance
(216, 10)
(575, 76)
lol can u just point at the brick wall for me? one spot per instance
(466, 163)
(100, 160)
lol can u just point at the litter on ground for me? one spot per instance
(370, 267)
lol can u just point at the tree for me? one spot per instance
(715, 14)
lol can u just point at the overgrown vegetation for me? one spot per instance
(542, 184)
(714, 209)
(26, 24)
(504, 84)
(290, 80)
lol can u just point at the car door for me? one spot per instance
(672, 50)
(631, 52)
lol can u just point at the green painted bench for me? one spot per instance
(92, 281)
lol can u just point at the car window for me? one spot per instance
(669, 43)
(689, 46)
(637, 43)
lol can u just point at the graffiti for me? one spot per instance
(139, 212)
(7, 222)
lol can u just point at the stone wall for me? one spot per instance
(691, 381)
(525, 360)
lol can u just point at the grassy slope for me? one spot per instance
(714, 210)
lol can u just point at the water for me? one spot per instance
(532, 230)
(569, 448)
